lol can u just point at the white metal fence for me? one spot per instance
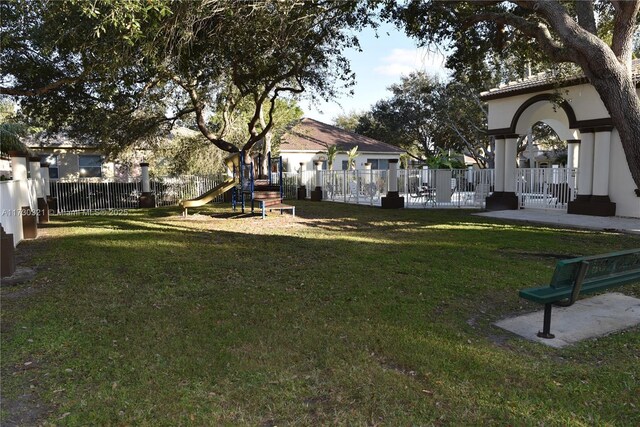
(550, 188)
(546, 188)
(91, 195)
(419, 187)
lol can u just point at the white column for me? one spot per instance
(318, 174)
(301, 175)
(585, 164)
(19, 167)
(19, 173)
(393, 175)
(499, 165)
(425, 175)
(510, 154)
(601, 155)
(36, 175)
(573, 149)
(146, 184)
(44, 169)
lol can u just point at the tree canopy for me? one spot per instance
(116, 72)
(597, 36)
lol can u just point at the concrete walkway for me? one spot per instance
(561, 218)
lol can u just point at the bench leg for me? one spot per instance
(546, 326)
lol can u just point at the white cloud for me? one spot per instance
(404, 61)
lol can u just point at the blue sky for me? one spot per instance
(381, 63)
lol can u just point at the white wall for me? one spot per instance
(5, 167)
(621, 185)
(293, 159)
(13, 195)
(584, 101)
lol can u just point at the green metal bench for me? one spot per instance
(576, 276)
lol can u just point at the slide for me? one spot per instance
(231, 161)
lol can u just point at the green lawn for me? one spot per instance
(345, 315)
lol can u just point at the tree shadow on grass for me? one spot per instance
(231, 309)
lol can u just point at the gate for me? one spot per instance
(546, 188)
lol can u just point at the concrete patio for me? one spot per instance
(587, 318)
(561, 218)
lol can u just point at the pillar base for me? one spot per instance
(52, 202)
(302, 192)
(29, 223)
(316, 195)
(147, 200)
(592, 205)
(392, 201)
(7, 254)
(43, 210)
(502, 201)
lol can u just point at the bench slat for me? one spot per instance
(548, 294)
(600, 266)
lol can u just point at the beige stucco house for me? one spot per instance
(70, 159)
(307, 141)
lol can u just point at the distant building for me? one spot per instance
(308, 141)
(70, 159)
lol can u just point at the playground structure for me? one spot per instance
(263, 190)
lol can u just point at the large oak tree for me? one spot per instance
(119, 71)
(597, 36)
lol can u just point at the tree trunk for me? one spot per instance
(266, 146)
(618, 93)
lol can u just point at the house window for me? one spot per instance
(90, 166)
(379, 164)
(345, 165)
(52, 159)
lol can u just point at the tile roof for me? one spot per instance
(545, 81)
(312, 135)
(42, 140)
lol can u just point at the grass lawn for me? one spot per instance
(344, 315)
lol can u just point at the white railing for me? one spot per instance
(546, 188)
(422, 188)
(91, 195)
(170, 190)
(419, 187)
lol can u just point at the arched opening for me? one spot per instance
(558, 115)
(542, 148)
(539, 134)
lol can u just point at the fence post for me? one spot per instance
(147, 199)
(393, 199)
(316, 194)
(36, 175)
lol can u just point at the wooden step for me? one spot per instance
(269, 202)
(266, 188)
(259, 194)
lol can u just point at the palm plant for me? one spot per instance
(351, 158)
(331, 153)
